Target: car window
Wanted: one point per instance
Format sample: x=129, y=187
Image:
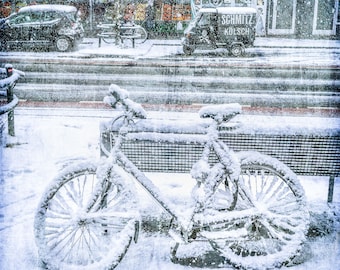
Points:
x=20, y=19
x=35, y=17
x=71, y=15
x=25, y=18
x=49, y=16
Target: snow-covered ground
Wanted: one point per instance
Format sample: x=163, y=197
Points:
x=48, y=139
x=277, y=50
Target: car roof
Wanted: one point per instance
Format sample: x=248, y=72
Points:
x=229, y=10
x=60, y=8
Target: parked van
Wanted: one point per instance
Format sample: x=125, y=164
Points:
x=232, y=28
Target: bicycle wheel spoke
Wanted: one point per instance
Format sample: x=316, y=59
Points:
x=286, y=222
x=276, y=229
x=284, y=206
x=60, y=202
x=82, y=184
x=74, y=191
x=57, y=211
x=58, y=242
x=82, y=218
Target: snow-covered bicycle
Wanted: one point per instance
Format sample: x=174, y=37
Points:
x=248, y=206
x=114, y=33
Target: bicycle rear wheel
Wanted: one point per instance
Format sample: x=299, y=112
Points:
x=142, y=35
x=110, y=37
x=83, y=222
x=273, y=235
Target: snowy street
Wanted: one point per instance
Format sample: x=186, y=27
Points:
x=300, y=73
x=169, y=135
x=48, y=139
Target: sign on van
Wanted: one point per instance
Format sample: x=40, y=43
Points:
x=237, y=19
x=237, y=31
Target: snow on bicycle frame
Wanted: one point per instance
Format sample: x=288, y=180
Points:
x=248, y=206
x=262, y=178
x=168, y=135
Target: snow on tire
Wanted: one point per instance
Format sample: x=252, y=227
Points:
x=83, y=223
x=278, y=231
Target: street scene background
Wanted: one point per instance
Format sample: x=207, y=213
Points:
x=58, y=116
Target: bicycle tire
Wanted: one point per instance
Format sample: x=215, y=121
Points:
x=143, y=35
x=111, y=38
x=277, y=234
x=81, y=226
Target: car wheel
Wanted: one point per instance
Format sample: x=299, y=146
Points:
x=63, y=44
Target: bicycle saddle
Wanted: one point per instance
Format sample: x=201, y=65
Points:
x=220, y=113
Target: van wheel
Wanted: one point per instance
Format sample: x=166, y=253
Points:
x=188, y=50
x=63, y=44
x=237, y=49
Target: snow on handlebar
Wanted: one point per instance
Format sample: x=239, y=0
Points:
x=119, y=95
x=118, y=92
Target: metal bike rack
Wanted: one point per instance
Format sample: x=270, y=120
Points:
x=7, y=85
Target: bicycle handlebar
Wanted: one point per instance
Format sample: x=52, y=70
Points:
x=119, y=95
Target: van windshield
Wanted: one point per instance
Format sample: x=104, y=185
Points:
x=204, y=19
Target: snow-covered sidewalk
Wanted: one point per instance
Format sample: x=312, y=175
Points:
x=48, y=139
x=155, y=47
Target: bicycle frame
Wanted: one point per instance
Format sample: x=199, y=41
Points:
x=228, y=165
x=248, y=206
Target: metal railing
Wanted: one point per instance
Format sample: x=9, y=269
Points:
x=9, y=100
x=306, y=153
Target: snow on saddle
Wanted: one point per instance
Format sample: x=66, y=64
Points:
x=220, y=113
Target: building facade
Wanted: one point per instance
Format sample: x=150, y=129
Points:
x=292, y=18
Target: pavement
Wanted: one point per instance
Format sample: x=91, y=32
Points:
x=154, y=47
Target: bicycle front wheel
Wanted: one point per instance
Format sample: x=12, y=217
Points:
x=83, y=222
x=275, y=233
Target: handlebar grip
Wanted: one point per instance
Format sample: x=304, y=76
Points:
x=119, y=95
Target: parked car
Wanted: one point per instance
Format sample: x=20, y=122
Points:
x=52, y=26
x=232, y=28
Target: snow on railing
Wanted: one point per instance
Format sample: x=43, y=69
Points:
x=9, y=77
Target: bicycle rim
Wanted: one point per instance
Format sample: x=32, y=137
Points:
x=142, y=34
x=276, y=234
x=82, y=225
